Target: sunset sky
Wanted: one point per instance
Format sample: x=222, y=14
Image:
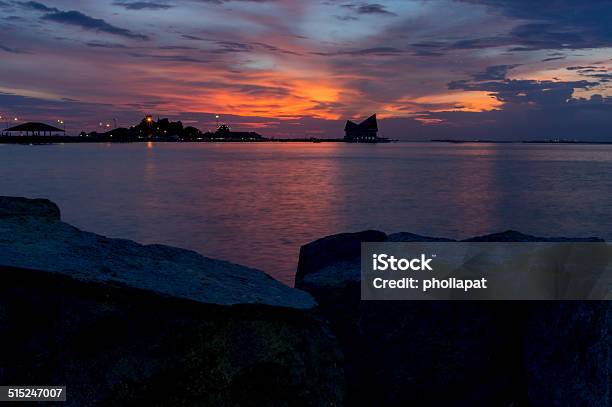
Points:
x=499, y=69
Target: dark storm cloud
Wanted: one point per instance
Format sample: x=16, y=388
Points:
x=380, y=51
x=76, y=18
x=13, y=18
x=555, y=24
x=10, y=50
x=236, y=46
x=527, y=37
x=602, y=77
x=575, y=11
x=368, y=8
x=143, y=5
x=169, y=58
x=476, y=43
x=273, y=48
x=599, y=73
x=233, y=46
x=241, y=88
x=509, y=40
x=263, y=90
x=495, y=72
x=220, y=2
x=525, y=91
x=176, y=47
x=110, y=45
x=530, y=37
x=552, y=59
x=192, y=37
x=577, y=68
x=34, y=5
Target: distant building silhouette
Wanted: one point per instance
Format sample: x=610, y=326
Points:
x=366, y=131
x=150, y=129
x=225, y=133
x=33, y=129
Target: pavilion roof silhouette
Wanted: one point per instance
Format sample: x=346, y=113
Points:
x=369, y=123
x=34, y=127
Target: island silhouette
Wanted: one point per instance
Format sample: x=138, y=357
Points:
x=164, y=130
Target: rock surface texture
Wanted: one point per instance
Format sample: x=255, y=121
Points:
x=121, y=323
x=458, y=353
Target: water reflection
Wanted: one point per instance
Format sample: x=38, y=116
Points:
x=256, y=204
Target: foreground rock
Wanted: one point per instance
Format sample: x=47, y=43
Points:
x=42, y=242
x=121, y=323
x=457, y=353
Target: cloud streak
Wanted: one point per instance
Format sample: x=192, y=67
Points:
x=368, y=8
x=10, y=50
x=143, y=5
x=78, y=19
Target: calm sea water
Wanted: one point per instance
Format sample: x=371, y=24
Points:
x=255, y=204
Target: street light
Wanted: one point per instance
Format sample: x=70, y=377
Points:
x=7, y=121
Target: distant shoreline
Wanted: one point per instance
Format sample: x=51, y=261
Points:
x=518, y=141
x=76, y=139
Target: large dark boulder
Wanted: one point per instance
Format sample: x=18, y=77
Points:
x=329, y=251
x=568, y=354
x=443, y=353
x=514, y=236
x=566, y=345
x=428, y=353
x=40, y=208
x=121, y=323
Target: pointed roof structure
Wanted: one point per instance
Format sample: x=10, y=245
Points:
x=370, y=123
x=34, y=127
x=366, y=131
x=350, y=125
